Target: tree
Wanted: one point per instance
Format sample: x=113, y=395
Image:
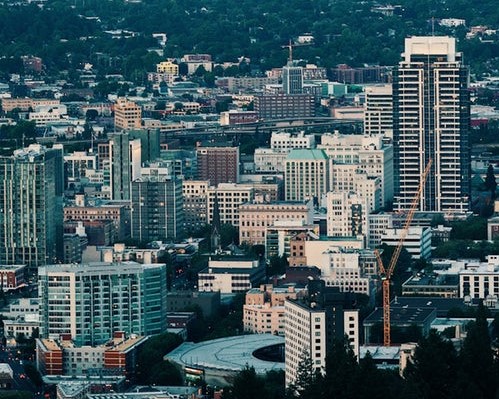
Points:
x=434, y=368
x=91, y=114
x=247, y=385
x=476, y=355
x=490, y=181
x=308, y=380
x=341, y=365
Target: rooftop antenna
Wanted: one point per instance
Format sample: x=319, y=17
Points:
x=290, y=52
x=433, y=26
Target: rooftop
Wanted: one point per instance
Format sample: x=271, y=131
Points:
x=229, y=354
x=299, y=154
x=403, y=315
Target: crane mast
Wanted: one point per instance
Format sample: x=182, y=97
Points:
x=386, y=274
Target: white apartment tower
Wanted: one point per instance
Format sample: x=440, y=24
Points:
x=431, y=121
x=378, y=110
x=306, y=174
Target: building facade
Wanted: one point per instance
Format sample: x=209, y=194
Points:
x=31, y=188
x=218, y=164
x=92, y=301
x=157, y=208
x=431, y=121
x=306, y=175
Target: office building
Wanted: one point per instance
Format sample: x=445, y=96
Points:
x=431, y=121
x=125, y=163
x=280, y=234
x=314, y=323
x=378, y=111
x=417, y=240
x=31, y=188
x=195, y=204
x=292, y=79
x=127, y=115
x=149, y=143
x=157, y=207
x=218, y=164
x=285, y=142
x=228, y=197
x=306, y=175
x=347, y=214
x=369, y=155
x=92, y=301
x=283, y=106
x=256, y=217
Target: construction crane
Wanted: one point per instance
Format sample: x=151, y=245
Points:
x=386, y=274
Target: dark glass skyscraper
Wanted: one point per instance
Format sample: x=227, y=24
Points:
x=31, y=187
x=431, y=121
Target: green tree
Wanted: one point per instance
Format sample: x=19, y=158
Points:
x=476, y=355
x=490, y=181
x=247, y=385
x=341, y=365
x=308, y=382
x=434, y=368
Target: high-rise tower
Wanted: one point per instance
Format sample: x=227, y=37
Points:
x=431, y=120
x=31, y=187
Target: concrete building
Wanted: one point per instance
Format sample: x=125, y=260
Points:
x=91, y=302
x=208, y=302
x=285, y=142
x=231, y=275
x=368, y=154
x=157, y=207
x=167, y=67
x=263, y=310
x=127, y=115
x=195, y=203
x=77, y=163
x=306, y=176
x=228, y=198
x=342, y=268
x=218, y=164
x=283, y=106
x=280, y=234
x=481, y=280
x=256, y=217
x=417, y=241
x=312, y=325
x=31, y=188
x=292, y=79
x=347, y=214
x=85, y=211
x=378, y=110
x=377, y=225
x=432, y=126
x=64, y=357
x=269, y=160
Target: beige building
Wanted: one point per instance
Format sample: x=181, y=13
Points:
x=229, y=197
x=167, y=67
x=254, y=218
x=127, y=115
x=263, y=311
x=378, y=110
x=306, y=174
x=24, y=104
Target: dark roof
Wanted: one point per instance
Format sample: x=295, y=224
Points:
x=403, y=316
x=442, y=305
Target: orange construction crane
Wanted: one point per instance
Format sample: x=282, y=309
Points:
x=386, y=274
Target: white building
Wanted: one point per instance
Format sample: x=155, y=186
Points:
x=285, y=142
x=195, y=193
x=432, y=126
x=378, y=110
x=229, y=197
x=306, y=174
x=417, y=241
x=346, y=214
x=369, y=154
x=377, y=225
x=269, y=160
x=481, y=280
x=310, y=327
x=229, y=276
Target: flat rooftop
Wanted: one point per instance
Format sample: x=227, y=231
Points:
x=227, y=354
x=403, y=315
